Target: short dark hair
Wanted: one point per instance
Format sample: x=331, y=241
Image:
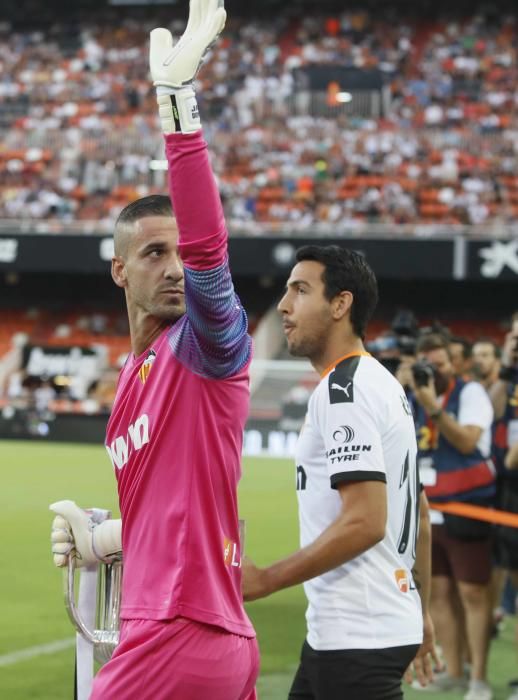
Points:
x=467, y=347
x=432, y=341
x=346, y=270
x=153, y=205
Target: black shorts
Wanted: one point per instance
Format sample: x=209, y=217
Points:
x=351, y=674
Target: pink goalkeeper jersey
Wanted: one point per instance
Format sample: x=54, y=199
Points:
x=175, y=432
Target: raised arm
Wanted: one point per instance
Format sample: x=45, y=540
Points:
x=213, y=341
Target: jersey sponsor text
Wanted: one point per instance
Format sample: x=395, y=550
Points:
x=137, y=436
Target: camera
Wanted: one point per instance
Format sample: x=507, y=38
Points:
x=405, y=327
x=407, y=345
x=422, y=372
x=509, y=374
x=399, y=342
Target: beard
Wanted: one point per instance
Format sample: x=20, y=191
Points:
x=482, y=372
x=168, y=312
x=311, y=345
x=306, y=347
x=165, y=308
x=302, y=348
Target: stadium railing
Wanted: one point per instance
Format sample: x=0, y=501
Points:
x=347, y=229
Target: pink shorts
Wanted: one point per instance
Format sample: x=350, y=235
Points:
x=178, y=659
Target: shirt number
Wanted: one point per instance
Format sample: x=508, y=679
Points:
x=409, y=481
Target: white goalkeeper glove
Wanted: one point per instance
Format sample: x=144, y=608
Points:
x=174, y=66
x=83, y=534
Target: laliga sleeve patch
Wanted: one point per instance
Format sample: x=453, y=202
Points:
x=341, y=381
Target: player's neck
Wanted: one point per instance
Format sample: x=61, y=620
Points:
x=336, y=350
x=144, y=331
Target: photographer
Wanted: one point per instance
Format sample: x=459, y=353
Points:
x=461, y=355
x=395, y=349
x=502, y=391
x=486, y=362
x=453, y=422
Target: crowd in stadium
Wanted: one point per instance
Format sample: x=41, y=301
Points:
x=80, y=138
x=469, y=556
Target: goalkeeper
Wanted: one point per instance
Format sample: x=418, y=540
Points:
x=175, y=432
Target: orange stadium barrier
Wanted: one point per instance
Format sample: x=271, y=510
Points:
x=490, y=515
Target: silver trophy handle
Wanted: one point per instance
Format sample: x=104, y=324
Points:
x=98, y=515
x=105, y=636
x=108, y=583
x=70, y=602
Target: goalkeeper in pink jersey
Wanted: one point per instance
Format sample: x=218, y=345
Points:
x=175, y=432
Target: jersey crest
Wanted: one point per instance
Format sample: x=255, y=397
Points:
x=144, y=371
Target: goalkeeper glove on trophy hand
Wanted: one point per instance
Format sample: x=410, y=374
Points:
x=174, y=66
x=83, y=534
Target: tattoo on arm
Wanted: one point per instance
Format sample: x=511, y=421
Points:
x=415, y=576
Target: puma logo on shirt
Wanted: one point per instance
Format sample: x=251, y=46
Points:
x=345, y=389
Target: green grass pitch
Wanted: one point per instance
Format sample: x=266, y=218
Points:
x=35, y=474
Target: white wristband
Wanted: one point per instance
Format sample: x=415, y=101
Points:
x=178, y=110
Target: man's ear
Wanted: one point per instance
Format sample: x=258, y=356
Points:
x=119, y=275
x=342, y=304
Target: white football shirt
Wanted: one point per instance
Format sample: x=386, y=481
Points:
x=359, y=427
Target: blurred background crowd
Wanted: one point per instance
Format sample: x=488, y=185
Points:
x=429, y=136
x=463, y=395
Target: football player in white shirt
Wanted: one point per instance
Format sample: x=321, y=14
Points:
x=364, y=525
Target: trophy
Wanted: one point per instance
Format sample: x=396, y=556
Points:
x=105, y=635
x=94, y=609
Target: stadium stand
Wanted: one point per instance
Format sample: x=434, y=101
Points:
x=79, y=138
